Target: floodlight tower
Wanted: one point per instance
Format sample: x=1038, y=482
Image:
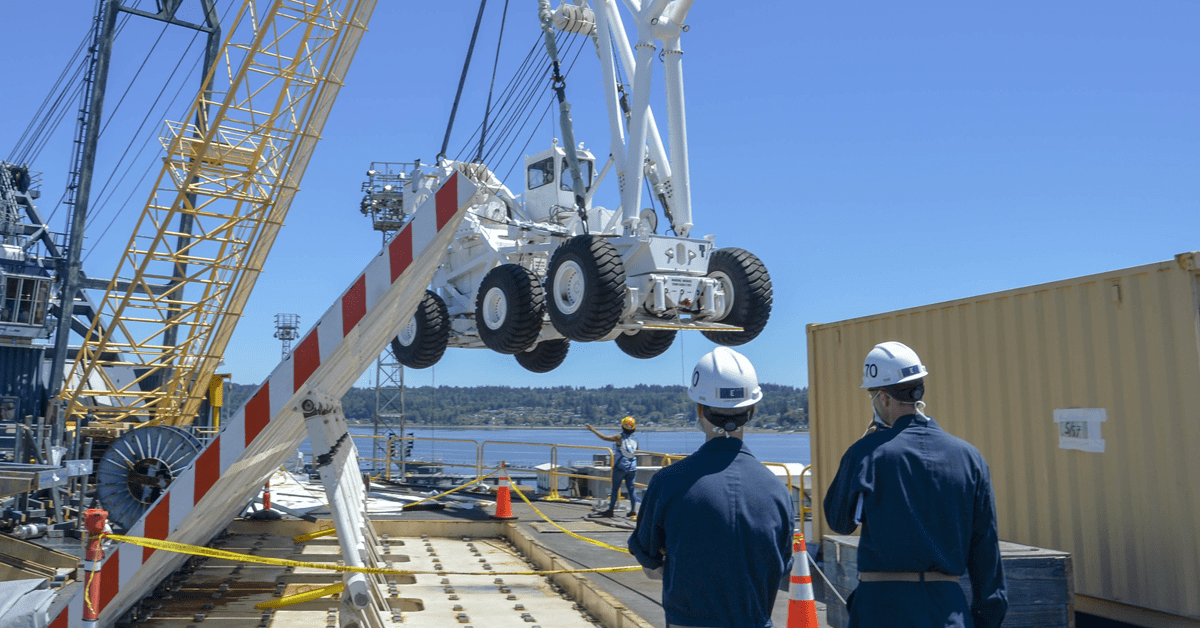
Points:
x=383, y=202
x=287, y=329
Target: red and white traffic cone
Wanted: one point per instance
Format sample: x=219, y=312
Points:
x=802, y=603
x=503, y=499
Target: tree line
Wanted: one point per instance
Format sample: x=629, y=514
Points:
x=782, y=407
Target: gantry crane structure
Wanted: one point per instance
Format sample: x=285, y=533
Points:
x=229, y=179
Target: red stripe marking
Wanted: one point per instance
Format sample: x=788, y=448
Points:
x=446, y=200
x=258, y=412
x=110, y=579
x=158, y=524
x=354, y=305
x=305, y=359
x=400, y=252
x=208, y=469
x=801, y=579
x=62, y=621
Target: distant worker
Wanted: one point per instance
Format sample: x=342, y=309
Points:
x=924, y=500
x=717, y=526
x=624, y=465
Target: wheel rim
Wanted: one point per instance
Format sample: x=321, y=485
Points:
x=726, y=303
x=568, y=287
x=495, y=308
x=408, y=335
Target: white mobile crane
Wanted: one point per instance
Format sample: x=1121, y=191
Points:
x=525, y=275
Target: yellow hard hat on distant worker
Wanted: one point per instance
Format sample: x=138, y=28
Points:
x=628, y=423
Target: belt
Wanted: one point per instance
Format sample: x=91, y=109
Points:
x=905, y=576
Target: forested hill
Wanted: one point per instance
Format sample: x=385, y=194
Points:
x=782, y=407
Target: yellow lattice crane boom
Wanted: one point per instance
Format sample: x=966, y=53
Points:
x=224, y=189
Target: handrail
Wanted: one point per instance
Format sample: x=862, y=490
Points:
x=480, y=467
x=402, y=461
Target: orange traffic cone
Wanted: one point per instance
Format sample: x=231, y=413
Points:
x=503, y=499
x=802, y=604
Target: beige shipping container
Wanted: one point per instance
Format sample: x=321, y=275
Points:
x=1084, y=397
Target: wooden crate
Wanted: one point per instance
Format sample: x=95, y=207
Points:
x=1040, y=584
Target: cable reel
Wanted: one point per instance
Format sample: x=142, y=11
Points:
x=138, y=466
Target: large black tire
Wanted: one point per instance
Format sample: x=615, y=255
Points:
x=748, y=295
x=586, y=286
x=509, y=309
x=422, y=342
x=646, y=343
x=545, y=357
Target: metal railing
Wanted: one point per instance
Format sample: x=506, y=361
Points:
x=396, y=459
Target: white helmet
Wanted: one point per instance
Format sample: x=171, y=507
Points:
x=724, y=378
x=891, y=363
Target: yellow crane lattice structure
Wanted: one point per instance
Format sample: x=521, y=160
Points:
x=224, y=189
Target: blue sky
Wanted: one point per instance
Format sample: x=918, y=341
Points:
x=875, y=155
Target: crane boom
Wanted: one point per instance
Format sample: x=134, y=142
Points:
x=234, y=174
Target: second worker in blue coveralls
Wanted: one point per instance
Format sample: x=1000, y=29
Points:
x=716, y=527
x=924, y=500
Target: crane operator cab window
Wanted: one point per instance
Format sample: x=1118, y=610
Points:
x=541, y=173
x=23, y=299
x=568, y=182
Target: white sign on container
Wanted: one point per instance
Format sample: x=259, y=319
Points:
x=1079, y=428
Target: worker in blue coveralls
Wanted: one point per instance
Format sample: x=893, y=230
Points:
x=624, y=465
x=924, y=500
x=716, y=527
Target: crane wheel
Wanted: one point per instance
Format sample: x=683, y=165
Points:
x=546, y=356
x=422, y=342
x=509, y=309
x=748, y=297
x=586, y=282
x=646, y=343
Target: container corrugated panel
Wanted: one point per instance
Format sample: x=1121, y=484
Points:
x=21, y=377
x=1001, y=364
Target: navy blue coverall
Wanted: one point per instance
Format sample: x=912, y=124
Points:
x=725, y=522
x=927, y=505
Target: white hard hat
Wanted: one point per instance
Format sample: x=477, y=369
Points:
x=724, y=378
x=891, y=363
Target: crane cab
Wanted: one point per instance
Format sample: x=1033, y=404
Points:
x=549, y=188
x=24, y=303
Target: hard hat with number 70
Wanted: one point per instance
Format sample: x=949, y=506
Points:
x=724, y=378
x=891, y=363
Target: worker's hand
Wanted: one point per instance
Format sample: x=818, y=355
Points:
x=653, y=574
x=589, y=426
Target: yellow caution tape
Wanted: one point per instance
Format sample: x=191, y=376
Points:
x=298, y=598
x=314, y=535
x=455, y=489
x=328, y=531
x=568, y=532
x=208, y=552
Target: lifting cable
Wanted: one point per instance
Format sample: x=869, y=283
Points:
x=45, y=121
x=488, y=109
x=549, y=106
x=517, y=83
x=462, y=79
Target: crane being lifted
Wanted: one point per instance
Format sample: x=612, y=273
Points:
x=528, y=274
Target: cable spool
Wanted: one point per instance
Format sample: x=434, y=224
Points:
x=138, y=466
x=575, y=19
